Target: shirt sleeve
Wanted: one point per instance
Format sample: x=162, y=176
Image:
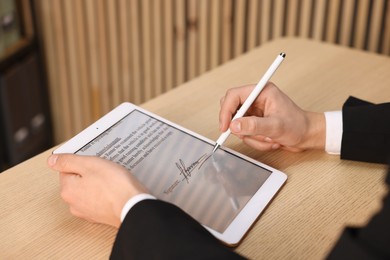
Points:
x=334, y=131
x=134, y=200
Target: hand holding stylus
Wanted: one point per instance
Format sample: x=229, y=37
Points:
x=251, y=98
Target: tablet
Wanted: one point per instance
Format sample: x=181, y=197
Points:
x=225, y=191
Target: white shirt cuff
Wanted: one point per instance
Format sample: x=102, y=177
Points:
x=134, y=200
x=334, y=131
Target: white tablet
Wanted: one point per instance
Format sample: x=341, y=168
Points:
x=225, y=191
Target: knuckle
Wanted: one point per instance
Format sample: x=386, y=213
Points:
x=65, y=196
x=279, y=127
x=221, y=100
x=229, y=91
x=74, y=212
x=251, y=125
x=62, y=162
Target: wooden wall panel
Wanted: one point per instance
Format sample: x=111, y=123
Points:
x=215, y=35
x=291, y=25
x=278, y=17
x=265, y=21
x=332, y=20
x=305, y=15
x=239, y=27
x=319, y=19
x=125, y=49
x=204, y=20
x=67, y=119
x=386, y=31
x=100, y=53
x=253, y=24
x=226, y=29
x=135, y=40
x=375, y=29
x=361, y=23
x=346, y=21
x=192, y=49
x=92, y=47
x=71, y=64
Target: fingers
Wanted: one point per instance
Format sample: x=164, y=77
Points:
x=261, y=145
x=95, y=189
x=67, y=183
x=252, y=126
x=230, y=103
x=257, y=132
x=69, y=163
x=235, y=97
x=273, y=121
x=76, y=164
x=75, y=212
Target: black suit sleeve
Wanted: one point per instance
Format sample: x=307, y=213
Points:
x=366, y=137
x=366, y=131
x=155, y=229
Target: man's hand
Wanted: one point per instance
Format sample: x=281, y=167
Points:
x=273, y=121
x=95, y=189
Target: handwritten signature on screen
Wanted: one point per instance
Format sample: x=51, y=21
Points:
x=187, y=171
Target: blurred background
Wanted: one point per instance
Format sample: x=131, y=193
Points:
x=65, y=63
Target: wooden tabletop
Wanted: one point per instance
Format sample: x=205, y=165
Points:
x=322, y=194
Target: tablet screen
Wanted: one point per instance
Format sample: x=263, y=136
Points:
x=179, y=168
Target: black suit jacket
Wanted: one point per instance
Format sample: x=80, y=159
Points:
x=366, y=137
x=366, y=131
x=157, y=230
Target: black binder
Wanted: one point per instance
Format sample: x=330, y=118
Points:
x=25, y=127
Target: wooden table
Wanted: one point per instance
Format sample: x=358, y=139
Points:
x=321, y=196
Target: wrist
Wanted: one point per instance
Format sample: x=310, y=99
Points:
x=316, y=131
x=132, y=201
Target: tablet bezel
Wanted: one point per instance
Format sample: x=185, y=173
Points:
x=244, y=219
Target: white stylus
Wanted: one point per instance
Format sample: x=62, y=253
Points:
x=253, y=95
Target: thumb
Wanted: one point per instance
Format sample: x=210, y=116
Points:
x=253, y=125
x=69, y=163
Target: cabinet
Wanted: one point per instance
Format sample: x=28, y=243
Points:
x=25, y=125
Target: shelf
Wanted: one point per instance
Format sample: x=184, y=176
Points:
x=23, y=94
x=15, y=49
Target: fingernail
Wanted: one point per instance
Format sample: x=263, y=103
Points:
x=268, y=140
x=275, y=146
x=236, y=126
x=52, y=160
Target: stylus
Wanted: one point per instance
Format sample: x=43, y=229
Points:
x=252, y=96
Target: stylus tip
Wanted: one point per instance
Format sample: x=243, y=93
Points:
x=216, y=147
